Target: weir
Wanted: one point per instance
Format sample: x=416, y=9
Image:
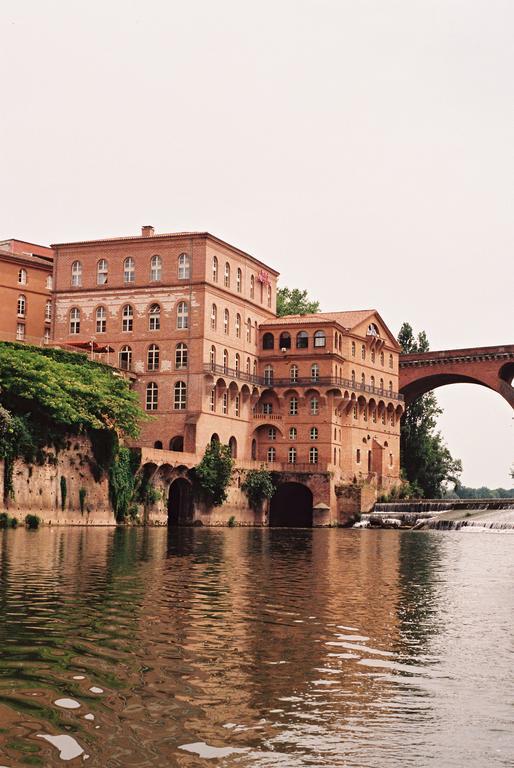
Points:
x=443, y=514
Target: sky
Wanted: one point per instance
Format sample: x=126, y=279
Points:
x=364, y=148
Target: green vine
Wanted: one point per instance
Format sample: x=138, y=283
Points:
x=123, y=482
x=214, y=472
x=258, y=486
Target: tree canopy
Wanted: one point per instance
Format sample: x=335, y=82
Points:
x=293, y=301
x=426, y=461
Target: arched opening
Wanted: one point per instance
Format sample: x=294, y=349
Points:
x=158, y=444
x=291, y=506
x=232, y=444
x=215, y=438
x=177, y=443
x=254, y=449
x=180, y=503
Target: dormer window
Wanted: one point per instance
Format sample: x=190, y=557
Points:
x=372, y=330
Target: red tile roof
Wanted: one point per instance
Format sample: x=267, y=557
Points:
x=345, y=319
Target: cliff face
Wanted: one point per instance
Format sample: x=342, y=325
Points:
x=38, y=489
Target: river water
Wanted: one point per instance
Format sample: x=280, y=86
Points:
x=255, y=647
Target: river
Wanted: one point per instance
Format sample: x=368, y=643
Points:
x=256, y=647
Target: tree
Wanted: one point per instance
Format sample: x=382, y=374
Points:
x=293, y=301
x=425, y=459
x=214, y=472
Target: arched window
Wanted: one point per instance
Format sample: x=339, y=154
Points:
x=269, y=296
x=184, y=267
x=363, y=351
x=238, y=326
x=363, y=379
x=314, y=433
x=238, y=363
x=152, y=396
x=254, y=449
x=76, y=274
x=224, y=403
x=181, y=356
x=226, y=322
x=129, y=270
x=212, y=400
x=215, y=438
x=293, y=432
x=293, y=374
x=373, y=355
x=182, y=315
x=226, y=275
x=353, y=349
x=302, y=340
x=271, y=455
x=101, y=272
x=390, y=361
x=22, y=277
x=212, y=357
x=248, y=365
x=314, y=406
x=154, y=318
x=177, y=443
x=75, y=320
x=225, y=361
x=358, y=456
x=180, y=396
x=152, y=357
x=232, y=444
x=291, y=456
x=382, y=358
x=125, y=358
x=372, y=330
x=214, y=269
x=320, y=339
x=127, y=318
x=248, y=330
x=268, y=375
x=285, y=340
x=313, y=455
x=355, y=412
x=155, y=268
x=272, y=433
x=268, y=341
x=315, y=372
x=214, y=317
x=374, y=415
x=48, y=311
x=390, y=387
x=239, y=280
x=252, y=287
x=255, y=367
x=372, y=382
x=158, y=445
x=390, y=459
x=293, y=406
x=22, y=306
x=101, y=319
x=381, y=384
x=353, y=378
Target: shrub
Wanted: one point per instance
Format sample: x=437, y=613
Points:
x=214, y=472
x=4, y=519
x=32, y=521
x=122, y=481
x=258, y=485
x=232, y=523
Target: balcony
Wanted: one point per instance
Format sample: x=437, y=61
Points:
x=232, y=373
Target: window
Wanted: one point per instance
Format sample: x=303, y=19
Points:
x=184, y=267
x=238, y=326
x=353, y=349
x=390, y=387
x=129, y=270
x=315, y=372
x=152, y=396
x=214, y=317
x=75, y=320
x=267, y=408
x=374, y=415
x=372, y=382
x=155, y=268
x=314, y=433
x=291, y=456
x=293, y=433
x=381, y=358
x=248, y=365
x=101, y=319
x=101, y=272
x=154, y=318
x=355, y=412
x=212, y=400
x=212, y=357
x=293, y=406
x=76, y=274
x=125, y=358
x=372, y=330
x=268, y=375
x=152, y=357
x=353, y=378
x=22, y=277
x=22, y=306
x=285, y=340
x=239, y=280
x=158, y=445
x=272, y=433
x=181, y=356
x=214, y=269
x=255, y=367
x=49, y=282
x=46, y=336
x=320, y=339
x=224, y=403
x=232, y=444
x=48, y=311
x=237, y=405
x=180, y=396
x=248, y=330
x=313, y=455
x=373, y=355
x=363, y=379
x=269, y=296
x=226, y=319
x=182, y=315
x=293, y=374
x=20, y=331
x=358, y=456
x=392, y=418
x=268, y=341
x=302, y=340
x=226, y=275
x=238, y=363
x=390, y=459
x=127, y=322
x=381, y=384
x=225, y=361
x=271, y=455
x=314, y=406
x=390, y=361
x=252, y=287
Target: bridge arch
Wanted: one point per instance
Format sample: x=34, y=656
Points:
x=291, y=506
x=180, y=502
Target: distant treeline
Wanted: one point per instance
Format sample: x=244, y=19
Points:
x=463, y=492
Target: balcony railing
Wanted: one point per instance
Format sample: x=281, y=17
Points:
x=233, y=373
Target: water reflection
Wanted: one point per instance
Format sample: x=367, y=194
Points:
x=148, y=647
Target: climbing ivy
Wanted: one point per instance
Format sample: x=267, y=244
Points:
x=214, y=472
x=123, y=481
x=258, y=485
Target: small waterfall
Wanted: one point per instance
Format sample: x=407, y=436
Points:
x=442, y=514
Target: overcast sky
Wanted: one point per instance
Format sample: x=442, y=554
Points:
x=362, y=147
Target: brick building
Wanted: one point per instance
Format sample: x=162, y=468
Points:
x=26, y=285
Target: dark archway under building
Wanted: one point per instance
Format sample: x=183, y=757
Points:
x=180, y=503
x=291, y=506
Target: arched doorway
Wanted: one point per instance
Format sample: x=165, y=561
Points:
x=177, y=443
x=291, y=506
x=232, y=444
x=180, y=503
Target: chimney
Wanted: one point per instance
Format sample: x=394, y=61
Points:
x=147, y=231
